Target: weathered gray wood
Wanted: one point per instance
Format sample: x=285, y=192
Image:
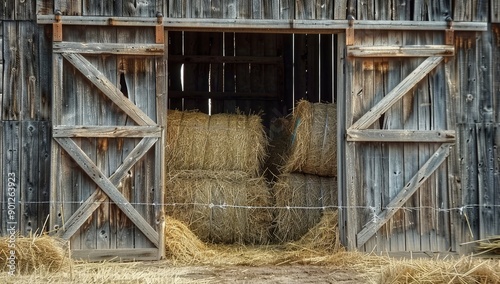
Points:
x=486, y=179
x=12, y=171
x=143, y=254
x=495, y=11
x=401, y=51
x=72, y=8
x=108, y=48
x=339, y=10
x=80, y=216
x=263, y=25
x=106, y=131
x=404, y=194
x=429, y=136
x=107, y=186
x=28, y=178
x=399, y=91
x=108, y=89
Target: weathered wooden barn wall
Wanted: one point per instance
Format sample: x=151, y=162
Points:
x=25, y=118
x=458, y=203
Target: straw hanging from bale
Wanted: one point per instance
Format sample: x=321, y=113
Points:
x=218, y=206
x=221, y=142
x=314, y=140
x=310, y=195
x=33, y=253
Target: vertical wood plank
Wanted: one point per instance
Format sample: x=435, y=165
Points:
x=11, y=101
x=229, y=9
x=287, y=9
x=44, y=7
x=495, y=11
x=486, y=179
x=12, y=168
x=69, y=7
x=174, y=69
x=244, y=9
x=102, y=8
x=44, y=72
x=469, y=212
x=44, y=145
x=28, y=178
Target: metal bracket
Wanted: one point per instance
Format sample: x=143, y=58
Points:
x=349, y=32
x=449, y=32
x=159, y=29
x=57, y=27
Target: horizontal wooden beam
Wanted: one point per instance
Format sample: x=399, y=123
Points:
x=106, y=131
x=401, y=51
x=397, y=93
x=404, y=194
x=386, y=135
x=221, y=95
x=262, y=25
x=115, y=254
x=109, y=48
x=225, y=59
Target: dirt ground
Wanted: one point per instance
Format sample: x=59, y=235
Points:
x=165, y=272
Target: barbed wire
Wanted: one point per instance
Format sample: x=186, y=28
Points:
x=372, y=209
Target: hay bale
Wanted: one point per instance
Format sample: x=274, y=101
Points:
x=33, y=254
x=310, y=194
x=217, y=206
x=489, y=245
x=314, y=140
x=221, y=142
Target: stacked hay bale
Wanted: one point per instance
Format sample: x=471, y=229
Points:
x=307, y=184
x=213, y=167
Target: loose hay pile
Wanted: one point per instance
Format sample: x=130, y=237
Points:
x=220, y=142
x=489, y=245
x=314, y=140
x=463, y=270
x=33, y=253
x=217, y=206
x=300, y=202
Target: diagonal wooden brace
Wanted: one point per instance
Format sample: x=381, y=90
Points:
x=89, y=167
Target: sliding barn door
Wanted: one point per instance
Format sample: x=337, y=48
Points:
x=399, y=134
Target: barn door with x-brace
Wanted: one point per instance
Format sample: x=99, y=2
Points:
x=107, y=156
x=397, y=138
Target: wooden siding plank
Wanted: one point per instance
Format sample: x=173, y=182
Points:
x=44, y=146
x=28, y=178
x=401, y=51
x=11, y=169
x=11, y=97
x=107, y=186
x=486, y=179
x=395, y=94
x=80, y=216
x=407, y=135
x=108, y=48
x=44, y=72
x=229, y=9
x=106, y=131
x=72, y=8
x=495, y=11
x=404, y=194
x=108, y=89
x=468, y=228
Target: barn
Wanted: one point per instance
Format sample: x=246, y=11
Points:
x=86, y=86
